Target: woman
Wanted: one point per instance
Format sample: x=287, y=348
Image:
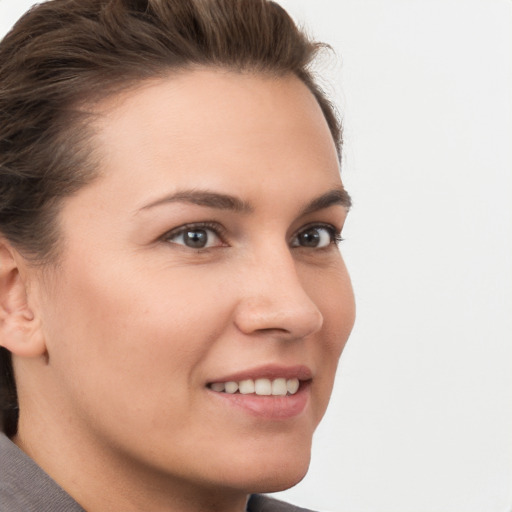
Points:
x=173, y=300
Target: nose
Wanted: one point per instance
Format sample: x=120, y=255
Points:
x=273, y=300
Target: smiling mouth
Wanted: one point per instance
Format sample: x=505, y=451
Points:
x=260, y=387
x=268, y=392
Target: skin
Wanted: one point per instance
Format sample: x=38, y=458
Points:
x=114, y=347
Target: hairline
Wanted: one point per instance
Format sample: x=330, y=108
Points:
x=84, y=114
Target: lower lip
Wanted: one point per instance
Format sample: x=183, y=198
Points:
x=269, y=407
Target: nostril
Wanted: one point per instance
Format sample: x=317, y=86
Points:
x=286, y=324
x=270, y=330
x=277, y=305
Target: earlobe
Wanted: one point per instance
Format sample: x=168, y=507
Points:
x=20, y=328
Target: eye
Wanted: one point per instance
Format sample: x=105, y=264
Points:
x=198, y=236
x=316, y=237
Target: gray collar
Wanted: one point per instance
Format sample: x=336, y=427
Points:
x=25, y=486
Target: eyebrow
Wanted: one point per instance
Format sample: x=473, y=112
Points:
x=337, y=196
x=334, y=197
x=204, y=198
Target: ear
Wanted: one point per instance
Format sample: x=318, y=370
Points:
x=20, y=328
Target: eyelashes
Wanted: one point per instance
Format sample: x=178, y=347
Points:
x=317, y=236
x=202, y=235
x=208, y=235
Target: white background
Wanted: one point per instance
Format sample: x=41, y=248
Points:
x=421, y=416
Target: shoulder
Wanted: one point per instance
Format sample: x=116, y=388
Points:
x=25, y=486
x=260, y=503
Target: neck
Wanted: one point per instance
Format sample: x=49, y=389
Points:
x=101, y=480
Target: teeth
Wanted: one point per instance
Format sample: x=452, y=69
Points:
x=279, y=387
x=218, y=386
x=231, y=387
x=292, y=385
x=246, y=387
x=262, y=387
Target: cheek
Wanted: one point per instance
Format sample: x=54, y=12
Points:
x=118, y=334
x=334, y=296
x=332, y=293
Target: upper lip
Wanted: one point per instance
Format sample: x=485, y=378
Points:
x=269, y=371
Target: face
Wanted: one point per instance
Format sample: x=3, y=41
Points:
x=199, y=273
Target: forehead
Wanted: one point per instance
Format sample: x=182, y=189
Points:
x=216, y=126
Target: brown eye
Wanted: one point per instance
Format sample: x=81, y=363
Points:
x=195, y=238
x=315, y=237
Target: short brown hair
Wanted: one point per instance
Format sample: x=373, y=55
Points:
x=65, y=53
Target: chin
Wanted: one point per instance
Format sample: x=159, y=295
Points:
x=280, y=481
x=272, y=470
